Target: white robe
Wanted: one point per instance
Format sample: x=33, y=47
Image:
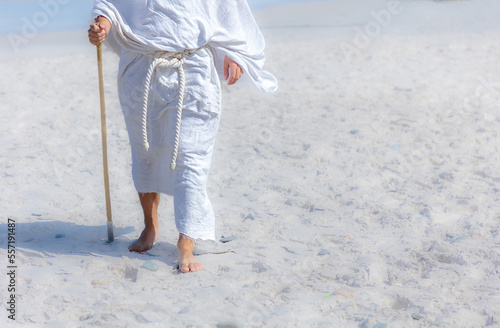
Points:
x=219, y=28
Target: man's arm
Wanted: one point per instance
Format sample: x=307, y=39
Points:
x=97, y=34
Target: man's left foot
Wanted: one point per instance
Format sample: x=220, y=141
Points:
x=185, y=257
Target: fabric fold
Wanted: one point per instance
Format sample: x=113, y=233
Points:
x=227, y=27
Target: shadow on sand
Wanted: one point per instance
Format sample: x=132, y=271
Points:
x=51, y=238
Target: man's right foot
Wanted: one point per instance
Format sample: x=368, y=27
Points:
x=145, y=242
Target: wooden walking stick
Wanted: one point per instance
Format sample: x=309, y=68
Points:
x=104, y=142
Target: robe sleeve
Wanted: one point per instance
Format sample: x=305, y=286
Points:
x=101, y=9
x=237, y=36
x=121, y=36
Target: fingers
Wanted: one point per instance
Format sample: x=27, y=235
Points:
x=236, y=73
x=97, y=34
x=95, y=28
x=232, y=71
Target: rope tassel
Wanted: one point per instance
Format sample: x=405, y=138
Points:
x=182, y=90
x=173, y=60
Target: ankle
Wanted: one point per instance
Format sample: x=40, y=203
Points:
x=151, y=226
x=185, y=241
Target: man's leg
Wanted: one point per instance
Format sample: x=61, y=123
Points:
x=149, y=235
x=194, y=215
x=185, y=257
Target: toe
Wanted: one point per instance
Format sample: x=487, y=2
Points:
x=196, y=267
x=135, y=248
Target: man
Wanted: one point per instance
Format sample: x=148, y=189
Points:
x=171, y=54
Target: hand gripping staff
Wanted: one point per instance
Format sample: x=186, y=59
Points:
x=104, y=141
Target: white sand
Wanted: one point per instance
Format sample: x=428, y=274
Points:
x=386, y=162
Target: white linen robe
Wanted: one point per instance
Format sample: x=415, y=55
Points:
x=218, y=28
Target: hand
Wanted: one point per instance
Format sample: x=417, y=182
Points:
x=98, y=33
x=232, y=71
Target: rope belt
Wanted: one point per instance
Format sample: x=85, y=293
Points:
x=164, y=59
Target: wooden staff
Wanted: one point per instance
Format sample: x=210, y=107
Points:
x=104, y=141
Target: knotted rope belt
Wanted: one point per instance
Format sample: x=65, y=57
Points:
x=164, y=59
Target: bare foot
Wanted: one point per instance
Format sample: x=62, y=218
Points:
x=149, y=203
x=145, y=242
x=185, y=257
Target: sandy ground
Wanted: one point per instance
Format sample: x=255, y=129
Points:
x=364, y=193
